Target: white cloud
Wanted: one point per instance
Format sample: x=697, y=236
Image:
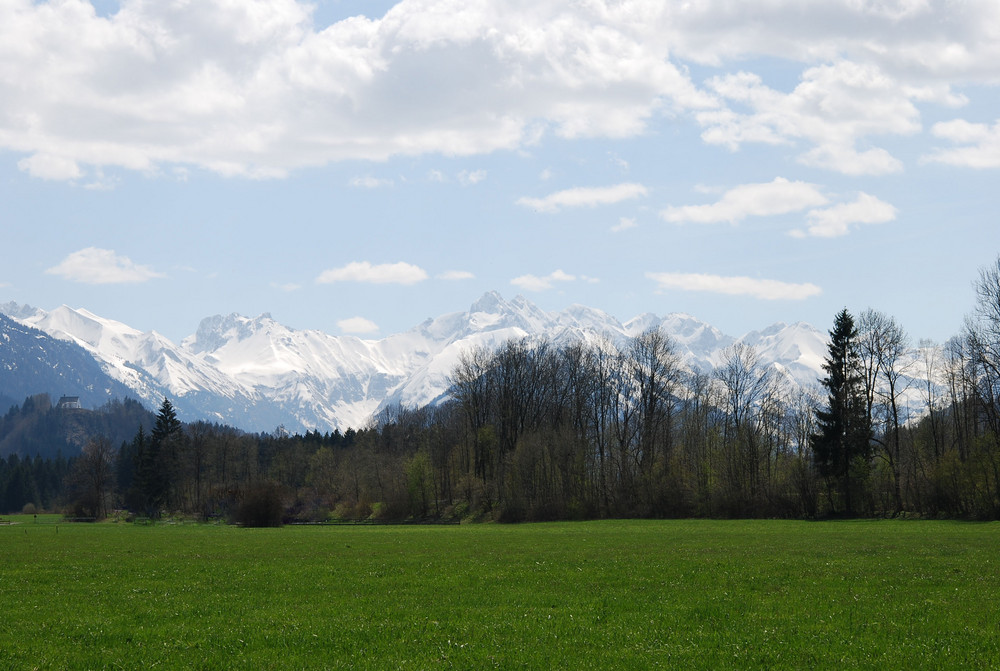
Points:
x=47, y=166
x=363, y=271
x=849, y=161
x=253, y=89
x=102, y=266
x=101, y=182
x=618, y=162
x=455, y=275
x=468, y=178
x=256, y=89
x=357, y=325
x=779, y=196
x=464, y=177
x=288, y=287
x=834, y=108
x=536, y=283
x=369, y=182
x=979, y=144
x=734, y=286
x=584, y=197
x=837, y=220
x=922, y=40
x=624, y=223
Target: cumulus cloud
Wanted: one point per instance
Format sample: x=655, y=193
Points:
x=834, y=108
x=924, y=40
x=254, y=88
x=734, y=286
x=357, y=325
x=779, y=196
x=978, y=144
x=363, y=271
x=102, y=266
x=47, y=166
x=536, y=283
x=838, y=219
x=584, y=197
x=455, y=275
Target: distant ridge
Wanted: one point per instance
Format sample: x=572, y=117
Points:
x=33, y=362
x=256, y=373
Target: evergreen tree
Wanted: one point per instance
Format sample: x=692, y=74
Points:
x=127, y=467
x=843, y=439
x=19, y=487
x=154, y=460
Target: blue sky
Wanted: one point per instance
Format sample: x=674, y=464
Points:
x=357, y=167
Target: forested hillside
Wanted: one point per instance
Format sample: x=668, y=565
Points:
x=32, y=362
x=39, y=427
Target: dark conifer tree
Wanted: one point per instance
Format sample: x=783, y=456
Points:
x=155, y=460
x=127, y=471
x=843, y=438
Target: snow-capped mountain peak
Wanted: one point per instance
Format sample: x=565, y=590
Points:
x=490, y=303
x=799, y=347
x=16, y=311
x=256, y=373
x=214, y=332
x=85, y=328
x=148, y=363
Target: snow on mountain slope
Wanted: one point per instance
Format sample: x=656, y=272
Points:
x=698, y=344
x=430, y=380
x=492, y=321
x=800, y=349
x=150, y=365
x=256, y=373
x=104, y=339
x=321, y=380
x=16, y=311
x=341, y=381
x=33, y=362
x=146, y=362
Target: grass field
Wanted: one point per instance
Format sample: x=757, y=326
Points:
x=613, y=594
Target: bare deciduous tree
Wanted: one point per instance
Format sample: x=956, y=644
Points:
x=750, y=396
x=884, y=348
x=92, y=478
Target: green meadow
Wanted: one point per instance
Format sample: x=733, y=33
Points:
x=609, y=594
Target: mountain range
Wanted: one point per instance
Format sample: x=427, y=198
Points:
x=257, y=374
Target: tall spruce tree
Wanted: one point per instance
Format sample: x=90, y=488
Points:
x=843, y=440
x=129, y=466
x=154, y=469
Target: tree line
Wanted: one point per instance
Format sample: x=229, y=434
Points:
x=536, y=431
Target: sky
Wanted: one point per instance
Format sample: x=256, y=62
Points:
x=359, y=166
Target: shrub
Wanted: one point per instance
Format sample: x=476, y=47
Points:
x=261, y=505
x=351, y=510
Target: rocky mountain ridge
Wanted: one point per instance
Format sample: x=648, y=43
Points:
x=256, y=373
